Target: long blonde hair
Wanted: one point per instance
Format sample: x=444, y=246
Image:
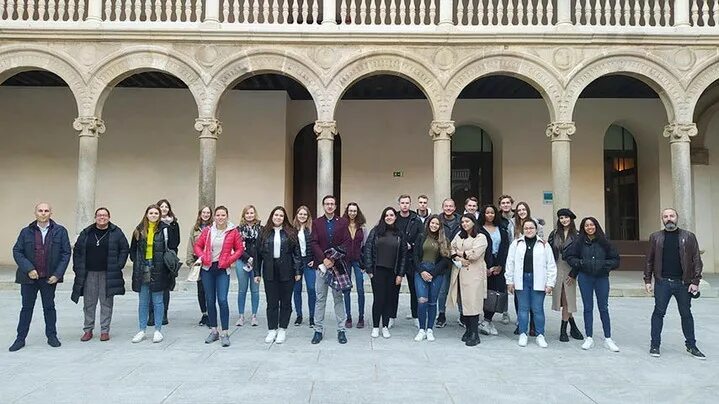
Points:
x=308, y=224
x=244, y=222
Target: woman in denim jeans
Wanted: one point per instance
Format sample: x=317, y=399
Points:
x=358, y=236
x=303, y=224
x=249, y=229
x=530, y=274
x=432, y=253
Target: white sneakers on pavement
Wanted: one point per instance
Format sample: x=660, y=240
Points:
x=138, y=337
x=271, y=335
x=385, y=332
x=610, y=345
x=375, y=332
x=541, y=342
x=281, y=336
x=421, y=334
x=588, y=343
x=430, y=335
x=157, y=337
x=522, y=340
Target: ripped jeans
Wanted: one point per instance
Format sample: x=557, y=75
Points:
x=427, y=294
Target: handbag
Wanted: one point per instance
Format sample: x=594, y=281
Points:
x=496, y=302
x=172, y=261
x=194, y=274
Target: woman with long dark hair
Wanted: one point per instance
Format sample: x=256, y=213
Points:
x=303, y=226
x=249, y=229
x=150, y=276
x=432, y=257
x=384, y=256
x=358, y=236
x=490, y=224
x=173, y=243
x=592, y=257
x=204, y=219
x=278, y=262
x=564, y=298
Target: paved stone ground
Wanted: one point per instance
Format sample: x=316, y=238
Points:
x=183, y=369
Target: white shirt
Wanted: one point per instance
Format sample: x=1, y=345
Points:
x=303, y=242
x=278, y=244
x=43, y=231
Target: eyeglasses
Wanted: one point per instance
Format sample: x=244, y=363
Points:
x=43, y=210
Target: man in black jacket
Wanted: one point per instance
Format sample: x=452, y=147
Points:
x=450, y=220
x=409, y=224
x=42, y=253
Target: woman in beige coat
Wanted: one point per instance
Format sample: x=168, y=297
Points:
x=468, y=282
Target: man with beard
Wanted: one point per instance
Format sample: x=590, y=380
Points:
x=674, y=262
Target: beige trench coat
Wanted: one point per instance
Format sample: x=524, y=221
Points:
x=471, y=279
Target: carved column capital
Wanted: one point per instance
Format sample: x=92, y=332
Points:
x=209, y=128
x=680, y=132
x=560, y=131
x=441, y=130
x=89, y=126
x=325, y=130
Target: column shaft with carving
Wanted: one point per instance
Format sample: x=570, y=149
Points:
x=679, y=135
x=441, y=133
x=89, y=130
x=325, y=131
x=559, y=133
x=210, y=129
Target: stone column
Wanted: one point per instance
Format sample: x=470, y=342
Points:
x=325, y=131
x=441, y=133
x=445, y=13
x=679, y=135
x=559, y=133
x=90, y=128
x=329, y=12
x=681, y=13
x=210, y=129
x=564, y=12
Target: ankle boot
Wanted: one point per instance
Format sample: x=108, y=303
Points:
x=563, y=332
x=473, y=326
x=574, y=330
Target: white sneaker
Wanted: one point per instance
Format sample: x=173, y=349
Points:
x=385, y=333
x=541, y=341
x=416, y=323
x=421, y=334
x=375, y=333
x=505, y=318
x=138, y=337
x=484, y=328
x=430, y=335
x=522, y=340
x=240, y=321
x=588, y=343
x=157, y=337
x=492, y=329
x=610, y=345
x=271, y=335
x=281, y=336
x=391, y=323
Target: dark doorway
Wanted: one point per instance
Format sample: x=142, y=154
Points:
x=621, y=191
x=472, y=165
x=304, y=177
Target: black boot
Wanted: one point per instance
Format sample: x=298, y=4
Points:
x=467, y=330
x=574, y=330
x=473, y=327
x=563, y=332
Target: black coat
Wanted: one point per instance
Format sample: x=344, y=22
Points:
x=591, y=257
x=117, y=253
x=370, y=254
x=289, y=261
x=412, y=232
x=441, y=264
x=501, y=258
x=24, y=252
x=160, y=275
x=557, y=249
x=173, y=235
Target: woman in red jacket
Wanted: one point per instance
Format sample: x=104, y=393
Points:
x=218, y=247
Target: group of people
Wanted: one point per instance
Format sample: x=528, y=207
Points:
x=471, y=261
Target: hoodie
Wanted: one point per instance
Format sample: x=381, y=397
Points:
x=231, y=244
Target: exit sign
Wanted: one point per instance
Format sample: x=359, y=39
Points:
x=398, y=174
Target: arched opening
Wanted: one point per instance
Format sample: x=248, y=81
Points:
x=304, y=173
x=38, y=157
x=472, y=164
x=621, y=189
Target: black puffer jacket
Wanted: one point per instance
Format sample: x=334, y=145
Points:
x=117, y=253
x=370, y=253
x=592, y=257
x=160, y=275
x=441, y=264
x=289, y=261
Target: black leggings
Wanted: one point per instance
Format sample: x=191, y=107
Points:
x=383, y=289
x=201, y=297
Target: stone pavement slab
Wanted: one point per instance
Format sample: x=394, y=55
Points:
x=182, y=369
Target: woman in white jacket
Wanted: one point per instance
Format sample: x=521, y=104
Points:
x=530, y=273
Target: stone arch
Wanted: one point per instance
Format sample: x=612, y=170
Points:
x=704, y=77
x=257, y=62
x=127, y=62
x=639, y=66
x=525, y=67
x=16, y=59
x=366, y=65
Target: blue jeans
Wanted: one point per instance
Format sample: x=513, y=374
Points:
x=598, y=285
x=359, y=283
x=310, y=276
x=217, y=285
x=427, y=295
x=444, y=291
x=530, y=299
x=158, y=307
x=246, y=279
x=663, y=292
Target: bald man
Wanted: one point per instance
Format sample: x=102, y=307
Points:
x=42, y=253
